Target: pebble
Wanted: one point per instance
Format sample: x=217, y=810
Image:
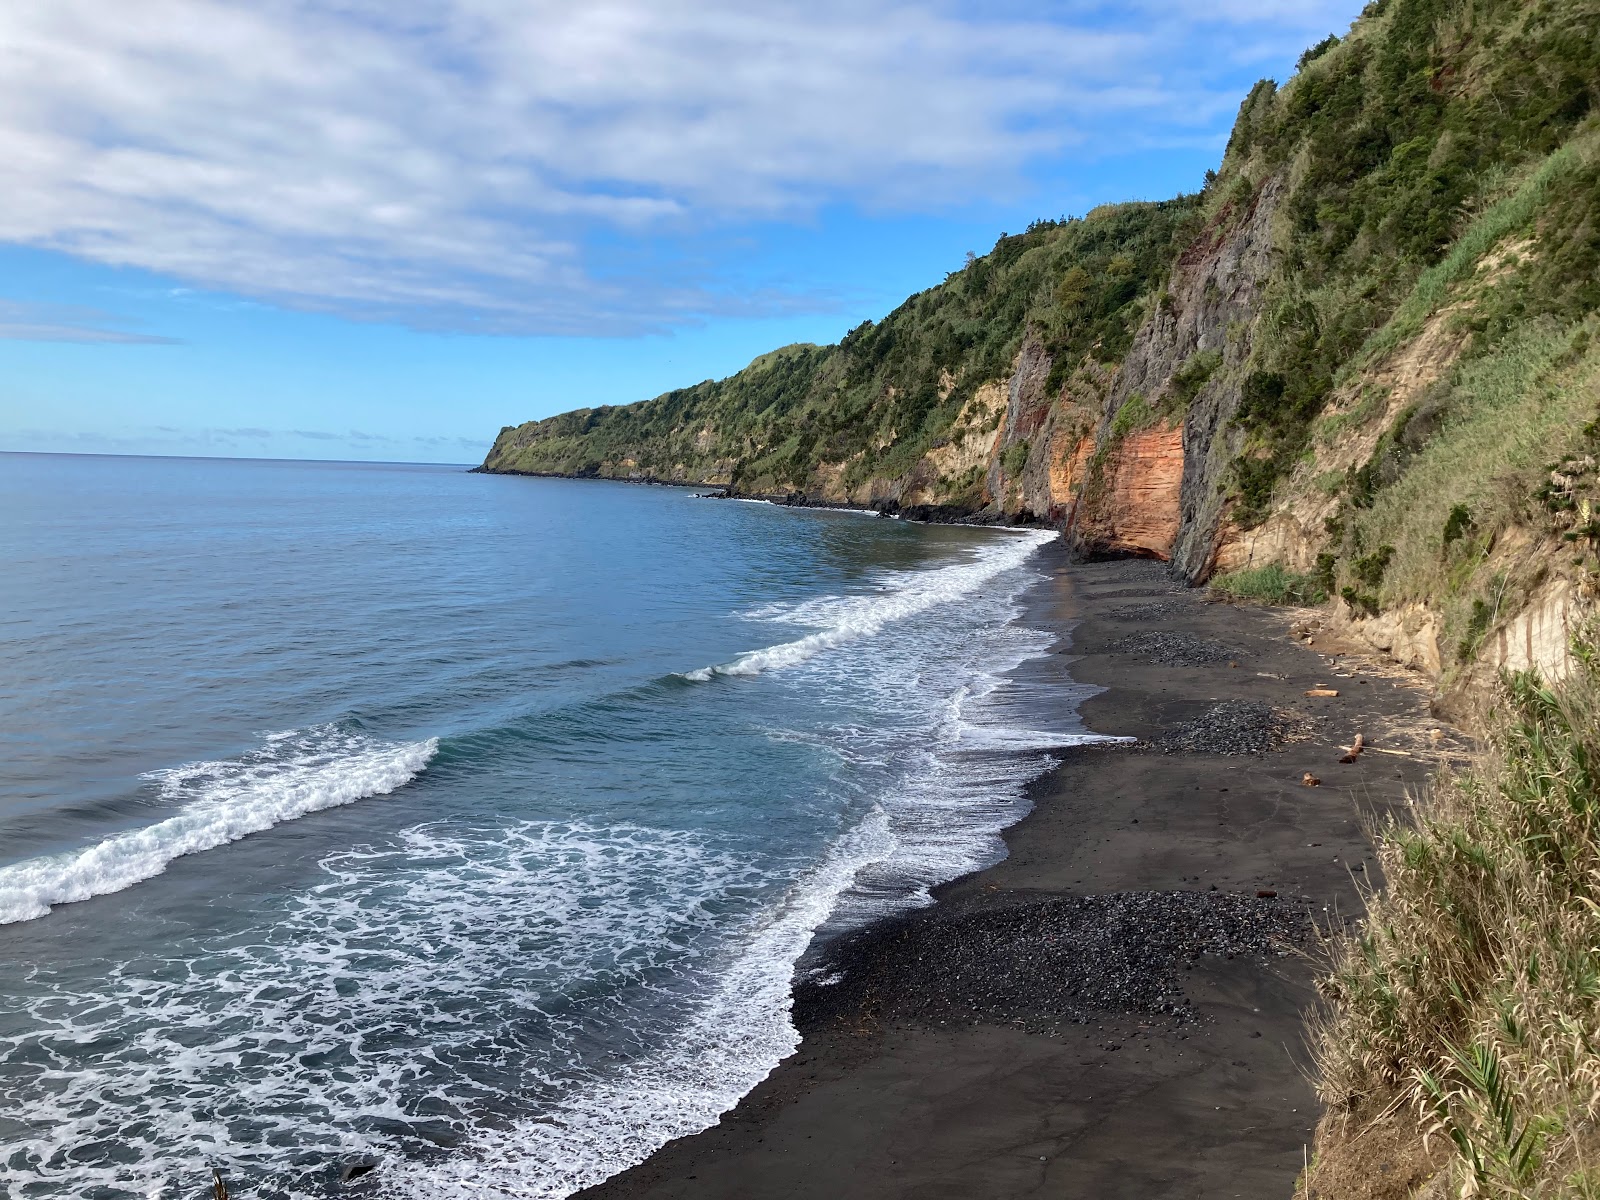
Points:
x=1232, y=727
x=1154, y=610
x=1173, y=648
x=1045, y=962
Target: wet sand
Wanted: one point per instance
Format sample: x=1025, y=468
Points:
x=1115, y=1010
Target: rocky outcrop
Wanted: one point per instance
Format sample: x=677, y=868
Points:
x=1409, y=634
x=1214, y=300
x=1130, y=506
x=1539, y=638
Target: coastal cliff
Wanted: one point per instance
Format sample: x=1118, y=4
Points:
x=1360, y=371
x=1362, y=356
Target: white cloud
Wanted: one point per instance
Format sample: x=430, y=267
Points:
x=467, y=163
x=25, y=321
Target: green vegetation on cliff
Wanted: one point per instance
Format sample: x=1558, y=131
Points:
x=1405, y=147
x=873, y=405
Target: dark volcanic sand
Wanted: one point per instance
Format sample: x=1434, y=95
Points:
x=1111, y=1011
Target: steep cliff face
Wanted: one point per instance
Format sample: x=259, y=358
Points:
x=1365, y=355
x=1216, y=290
x=1130, y=504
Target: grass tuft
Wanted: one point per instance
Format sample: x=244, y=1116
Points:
x=1466, y=1007
x=1271, y=584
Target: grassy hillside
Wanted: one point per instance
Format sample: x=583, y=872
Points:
x=1433, y=132
x=1458, y=1054
x=889, y=392
x=1425, y=355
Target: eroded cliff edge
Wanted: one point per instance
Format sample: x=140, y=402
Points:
x=1362, y=358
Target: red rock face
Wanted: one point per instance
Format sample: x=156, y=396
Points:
x=1068, y=469
x=1134, y=508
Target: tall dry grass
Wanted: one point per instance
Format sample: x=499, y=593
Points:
x=1466, y=1009
x=1512, y=413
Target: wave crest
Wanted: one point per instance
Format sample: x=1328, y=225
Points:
x=296, y=773
x=848, y=619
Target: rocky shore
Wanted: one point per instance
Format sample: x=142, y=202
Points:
x=930, y=514
x=1117, y=1009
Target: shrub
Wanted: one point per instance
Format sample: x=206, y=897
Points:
x=1013, y=458
x=1477, y=626
x=1134, y=414
x=1190, y=378
x=1361, y=602
x=1369, y=568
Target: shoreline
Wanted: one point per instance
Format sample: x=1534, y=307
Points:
x=927, y=514
x=1114, y=1009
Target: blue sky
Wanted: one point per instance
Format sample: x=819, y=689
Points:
x=355, y=229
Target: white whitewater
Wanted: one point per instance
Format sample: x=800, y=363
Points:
x=295, y=774
x=732, y=1042
x=848, y=620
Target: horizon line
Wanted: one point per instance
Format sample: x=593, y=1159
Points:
x=369, y=462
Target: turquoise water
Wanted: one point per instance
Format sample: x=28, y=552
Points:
x=463, y=825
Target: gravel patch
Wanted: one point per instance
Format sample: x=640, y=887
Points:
x=1135, y=593
x=1172, y=648
x=1233, y=727
x=1049, y=962
x=1154, y=610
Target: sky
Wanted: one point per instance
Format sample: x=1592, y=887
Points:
x=355, y=229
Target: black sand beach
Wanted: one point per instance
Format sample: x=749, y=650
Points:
x=1115, y=1010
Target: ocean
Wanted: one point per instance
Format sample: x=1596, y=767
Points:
x=468, y=828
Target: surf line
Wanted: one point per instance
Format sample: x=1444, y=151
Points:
x=241, y=799
x=914, y=593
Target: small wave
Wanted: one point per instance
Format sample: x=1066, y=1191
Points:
x=727, y=1046
x=298, y=772
x=848, y=619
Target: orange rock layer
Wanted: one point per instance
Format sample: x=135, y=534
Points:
x=1134, y=506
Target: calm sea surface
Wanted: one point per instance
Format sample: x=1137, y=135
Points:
x=467, y=826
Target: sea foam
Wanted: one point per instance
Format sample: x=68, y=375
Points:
x=727, y=1045
x=295, y=773
x=848, y=619
x=420, y=983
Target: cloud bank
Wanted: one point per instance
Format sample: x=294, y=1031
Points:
x=504, y=165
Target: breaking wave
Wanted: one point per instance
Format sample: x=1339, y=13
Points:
x=294, y=774
x=848, y=619
x=727, y=1045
